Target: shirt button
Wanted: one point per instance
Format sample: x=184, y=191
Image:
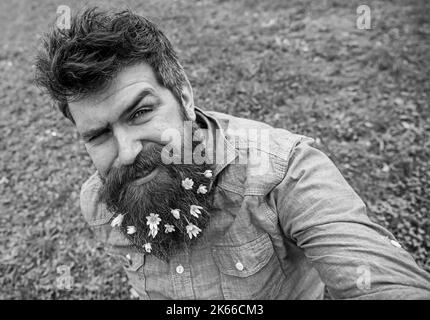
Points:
x=179, y=269
x=239, y=266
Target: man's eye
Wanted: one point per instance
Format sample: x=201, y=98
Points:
x=141, y=112
x=94, y=138
x=98, y=137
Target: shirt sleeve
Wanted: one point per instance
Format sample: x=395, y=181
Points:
x=323, y=215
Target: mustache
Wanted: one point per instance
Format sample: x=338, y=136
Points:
x=145, y=162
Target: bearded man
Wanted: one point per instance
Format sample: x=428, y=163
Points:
x=204, y=205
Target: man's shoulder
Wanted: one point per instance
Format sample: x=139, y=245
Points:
x=263, y=152
x=248, y=130
x=256, y=135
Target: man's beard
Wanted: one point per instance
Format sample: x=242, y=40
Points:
x=165, y=192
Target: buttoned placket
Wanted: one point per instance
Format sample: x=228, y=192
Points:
x=219, y=144
x=181, y=276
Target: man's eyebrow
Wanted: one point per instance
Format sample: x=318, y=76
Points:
x=142, y=94
x=97, y=131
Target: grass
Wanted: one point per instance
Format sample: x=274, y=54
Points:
x=301, y=65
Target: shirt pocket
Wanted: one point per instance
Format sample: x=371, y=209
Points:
x=133, y=265
x=250, y=270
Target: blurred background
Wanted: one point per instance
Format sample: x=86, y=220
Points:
x=299, y=65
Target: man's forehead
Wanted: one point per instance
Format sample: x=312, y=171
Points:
x=125, y=78
x=126, y=83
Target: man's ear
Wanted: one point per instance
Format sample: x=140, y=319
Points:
x=187, y=100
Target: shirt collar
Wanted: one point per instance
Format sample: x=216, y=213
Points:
x=225, y=152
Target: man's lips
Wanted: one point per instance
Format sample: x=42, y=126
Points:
x=148, y=177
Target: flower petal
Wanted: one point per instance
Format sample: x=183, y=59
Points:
x=153, y=232
x=131, y=229
x=187, y=183
x=202, y=189
x=208, y=173
x=169, y=228
x=147, y=246
x=175, y=213
x=117, y=221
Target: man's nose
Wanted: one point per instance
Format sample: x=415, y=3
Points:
x=128, y=147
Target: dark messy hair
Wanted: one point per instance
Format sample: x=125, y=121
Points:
x=83, y=59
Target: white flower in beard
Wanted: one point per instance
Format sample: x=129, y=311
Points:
x=202, y=189
x=193, y=230
x=195, y=210
x=208, y=173
x=117, y=221
x=175, y=213
x=131, y=229
x=153, y=220
x=147, y=246
x=169, y=228
x=187, y=183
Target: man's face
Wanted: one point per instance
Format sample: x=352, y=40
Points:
x=127, y=117
x=166, y=205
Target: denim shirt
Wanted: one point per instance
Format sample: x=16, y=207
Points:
x=284, y=232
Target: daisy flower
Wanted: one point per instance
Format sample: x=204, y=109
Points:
x=117, y=221
x=195, y=210
x=175, y=213
x=202, y=189
x=169, y=228
x=153, y=221
x=208, y=173
x=131, y=229
x=147, y=247
x=187, y=183
x=193, y=230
